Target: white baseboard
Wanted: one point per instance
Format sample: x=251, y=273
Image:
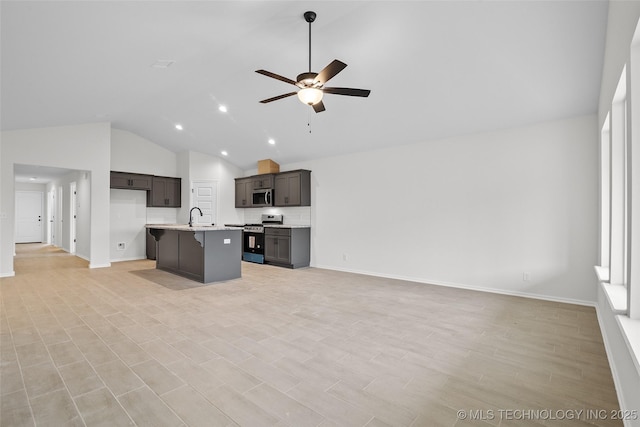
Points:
x=467, y=287
x=138, y=258
x=9, y=274
x=91, y=265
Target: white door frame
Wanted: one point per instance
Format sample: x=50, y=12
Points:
x=72, y=217
x=51, y=216
x=60, y=212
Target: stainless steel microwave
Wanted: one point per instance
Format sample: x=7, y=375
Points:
x=263, y=197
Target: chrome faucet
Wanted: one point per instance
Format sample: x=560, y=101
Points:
x=191, y=217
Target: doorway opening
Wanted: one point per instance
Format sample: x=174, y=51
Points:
x=65, y=207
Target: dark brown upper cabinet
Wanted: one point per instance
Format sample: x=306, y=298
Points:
x=292, y=188
x=130, y=181
x=244, y=188
x=165, y=192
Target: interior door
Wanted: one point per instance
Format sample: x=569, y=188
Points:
x=205, y=197
x=29, y=205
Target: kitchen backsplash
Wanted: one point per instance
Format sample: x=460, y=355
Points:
x=292, y=216
x=162, y=216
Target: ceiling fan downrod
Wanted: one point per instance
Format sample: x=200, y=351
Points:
x=309, y=16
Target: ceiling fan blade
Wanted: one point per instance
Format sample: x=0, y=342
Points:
x=329, y=71
x=347, y=91
x=275, y=76
x=275, y=98
x=319, y=107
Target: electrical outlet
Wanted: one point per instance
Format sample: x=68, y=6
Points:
x=122, y=246
x=526, y=276
x=344, y=257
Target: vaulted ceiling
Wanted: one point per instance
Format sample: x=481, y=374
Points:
x=435, y=69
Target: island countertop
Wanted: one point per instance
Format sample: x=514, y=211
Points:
x=185, y=227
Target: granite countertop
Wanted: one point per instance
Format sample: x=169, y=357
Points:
x=185, y=227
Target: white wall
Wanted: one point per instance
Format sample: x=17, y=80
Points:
x=82, y=147
x=622, y=21
x=84, y=220
x=194, y=166
x=128, y=217
x=28, y=186
x=132, y=153
x=475, y=211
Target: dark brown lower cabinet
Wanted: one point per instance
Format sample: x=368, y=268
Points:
x=151, y=245
x=287, y=247
x=204, y=256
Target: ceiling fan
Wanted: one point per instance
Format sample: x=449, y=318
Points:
x=312, y=84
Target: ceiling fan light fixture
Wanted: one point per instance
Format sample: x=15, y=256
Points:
x=310, y=95
x=312, y=85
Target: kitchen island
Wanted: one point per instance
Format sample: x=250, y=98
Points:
x=202, y=253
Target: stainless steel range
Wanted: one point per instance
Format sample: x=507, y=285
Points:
x=253, y=238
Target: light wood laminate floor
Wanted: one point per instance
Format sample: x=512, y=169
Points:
x=129, y=345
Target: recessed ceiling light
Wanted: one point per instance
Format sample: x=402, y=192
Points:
x=179, y=126
x=224, y=153
x=272, y=141
x=222, y=108
x=33, y=178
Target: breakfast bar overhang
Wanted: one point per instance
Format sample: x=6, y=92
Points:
x=202, y=253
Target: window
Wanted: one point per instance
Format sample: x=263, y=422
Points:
x=618, y=185
x=633, y=130
x=620, y=192
x=605, y=179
